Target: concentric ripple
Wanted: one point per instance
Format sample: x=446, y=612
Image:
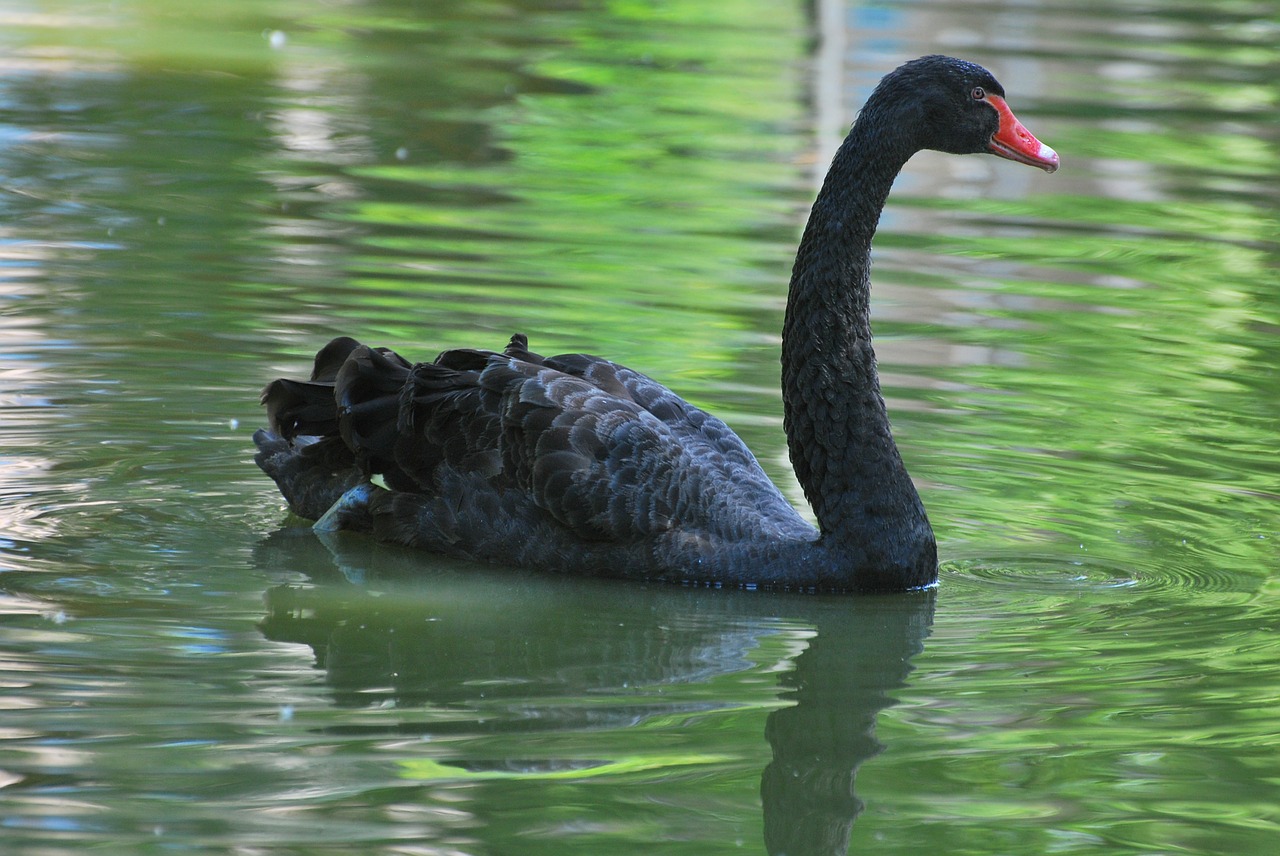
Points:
x=1050, y=575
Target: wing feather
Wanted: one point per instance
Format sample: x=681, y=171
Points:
x=607, y=452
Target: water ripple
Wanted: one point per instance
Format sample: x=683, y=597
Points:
x=1048, y=576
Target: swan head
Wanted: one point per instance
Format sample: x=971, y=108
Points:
x=959, y=107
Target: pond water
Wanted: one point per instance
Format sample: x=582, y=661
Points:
x=1083, y=370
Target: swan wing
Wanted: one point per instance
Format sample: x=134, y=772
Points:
x=607, y=452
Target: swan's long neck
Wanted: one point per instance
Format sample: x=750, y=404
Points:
x=837, y=428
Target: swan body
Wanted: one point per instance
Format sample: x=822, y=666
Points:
x=576, y=464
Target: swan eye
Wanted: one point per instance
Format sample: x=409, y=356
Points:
x=978, y=93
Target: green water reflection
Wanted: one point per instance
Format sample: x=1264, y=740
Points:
x=1081, y=369
x=530, y=716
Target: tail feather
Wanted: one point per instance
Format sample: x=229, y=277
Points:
x=367, y=397
x=298, y=408
x=311, y=474
x=330, y=433
x=332, y=357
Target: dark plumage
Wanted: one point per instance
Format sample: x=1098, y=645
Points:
x=573, y=463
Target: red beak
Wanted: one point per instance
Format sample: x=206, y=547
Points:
x=1016, y=143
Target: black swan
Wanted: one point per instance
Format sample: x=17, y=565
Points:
x=579, y=465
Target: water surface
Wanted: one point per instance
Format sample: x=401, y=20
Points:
x=1081, y=370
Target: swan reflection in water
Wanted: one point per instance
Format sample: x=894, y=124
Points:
x=567, y=655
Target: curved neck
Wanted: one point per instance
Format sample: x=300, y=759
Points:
x=837, y=428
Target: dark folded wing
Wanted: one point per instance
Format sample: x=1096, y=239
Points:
x=606, y=451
